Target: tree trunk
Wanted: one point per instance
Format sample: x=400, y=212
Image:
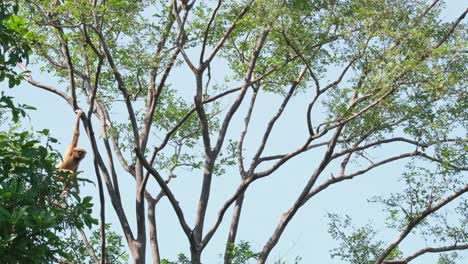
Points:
x=140, y=242
x=138, y=252
x=196, y=256
x=153, y=233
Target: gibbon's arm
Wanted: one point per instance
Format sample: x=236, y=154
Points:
x=76, y=134
x=76, y=130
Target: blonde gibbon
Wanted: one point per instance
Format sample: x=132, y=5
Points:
x=73, y=155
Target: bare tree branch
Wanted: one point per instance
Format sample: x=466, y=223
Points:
x=207, y=30
x=147, y=121
x=248, y=78
x=106, y=125
x=159, y=47
x=451, y=30
x=96, y=166
x=444, y=162
x=274, y=119
x=340, y=78
x=416, y=220
x=424, y=251
x=116, y=202
x=71, y=75
x=240, y=145
x=334, y=180
x=167, y=191
x=240, y=200
x=286, y=217
x=280, y=156
x=89, y=248
x=121, y=85
x=226, y=35
x=242, y=187
x=428, y=9
x=49, y=88
x=284, y=158
x=233, y=228
x=181, y=37
x=391, y=140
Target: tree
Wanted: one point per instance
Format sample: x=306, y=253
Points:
x=34, y=218
x=32, y=215
x=14, y=48
x=79, y=253
x=380, y=77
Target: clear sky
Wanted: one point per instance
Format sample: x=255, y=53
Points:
x=306, y=236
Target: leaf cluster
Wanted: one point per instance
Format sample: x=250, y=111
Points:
x=241, y=253
x=357, y=245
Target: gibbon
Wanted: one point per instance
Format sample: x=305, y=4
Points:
x=73, y=155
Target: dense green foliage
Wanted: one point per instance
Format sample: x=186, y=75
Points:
x=33, y=216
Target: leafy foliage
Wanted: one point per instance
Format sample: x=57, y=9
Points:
x=356, y=244
x=238, y=254
x=241, y=253
x=16, y=111
x=181, y=259
x=32, y=213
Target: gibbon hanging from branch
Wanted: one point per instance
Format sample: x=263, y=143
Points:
x=73, y=156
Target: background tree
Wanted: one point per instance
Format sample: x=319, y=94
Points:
x=33, y=217
x=79, y=253
x=380, y=82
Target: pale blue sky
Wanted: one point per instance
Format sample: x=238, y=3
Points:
x=266, y=199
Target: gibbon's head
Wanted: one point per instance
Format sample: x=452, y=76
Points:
x=79, y=153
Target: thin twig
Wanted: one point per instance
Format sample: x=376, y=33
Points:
x=89, y=248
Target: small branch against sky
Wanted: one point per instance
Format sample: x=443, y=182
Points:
x=425, y=251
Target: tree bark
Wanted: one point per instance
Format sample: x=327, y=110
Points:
x=153, y=233
x=195, y=256
x=138, y=252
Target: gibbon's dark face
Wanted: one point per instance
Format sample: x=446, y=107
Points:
x=79, y=153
